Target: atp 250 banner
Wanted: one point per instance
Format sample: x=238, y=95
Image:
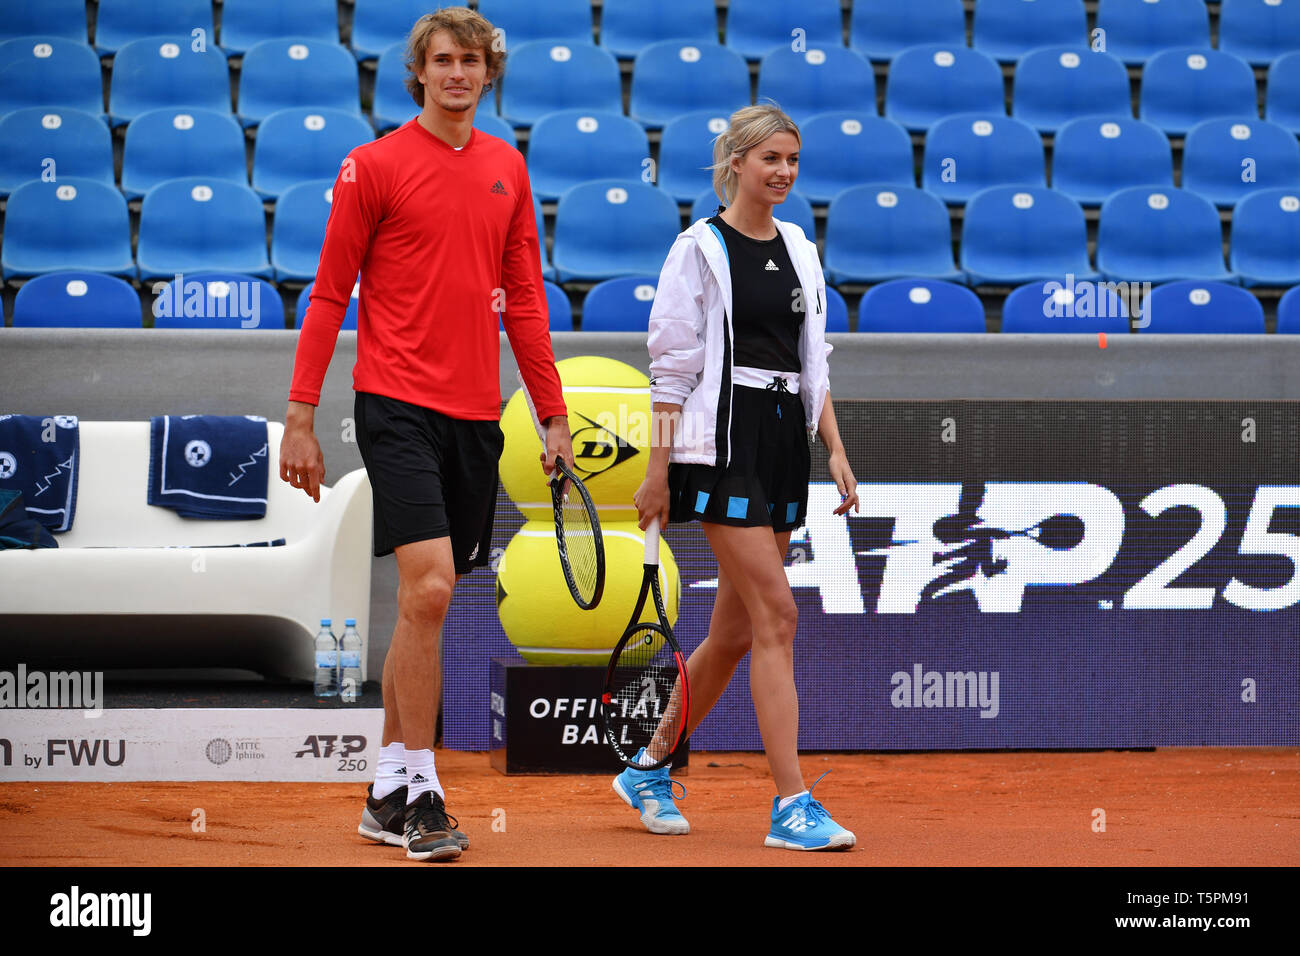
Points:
x=1024, y=574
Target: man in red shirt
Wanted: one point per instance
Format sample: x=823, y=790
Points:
x=437, y=217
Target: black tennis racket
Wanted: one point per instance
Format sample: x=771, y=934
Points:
x=646, y=699
x=577, y=527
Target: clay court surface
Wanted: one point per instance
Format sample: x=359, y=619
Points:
x=1177, y=807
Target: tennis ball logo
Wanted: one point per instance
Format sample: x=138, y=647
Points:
x=538, y=614
x=609, y=422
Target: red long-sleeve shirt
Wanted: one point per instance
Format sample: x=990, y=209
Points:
x=442, y=239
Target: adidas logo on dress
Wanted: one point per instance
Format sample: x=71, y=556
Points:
x=771, y=266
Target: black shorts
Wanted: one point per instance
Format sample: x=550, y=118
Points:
x=766, y=483
x=431, y=476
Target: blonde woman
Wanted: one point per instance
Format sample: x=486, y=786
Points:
x=739, y=390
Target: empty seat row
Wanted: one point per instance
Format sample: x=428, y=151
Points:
x=925, y=83
x=232, y=301
x=1006, y=29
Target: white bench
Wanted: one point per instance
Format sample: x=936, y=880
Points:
x=117, y=593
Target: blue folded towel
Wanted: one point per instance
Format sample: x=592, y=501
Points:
x=39, y=457
x=17, y=528
x=209, y=466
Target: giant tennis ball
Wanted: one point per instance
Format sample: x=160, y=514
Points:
x=609, y=419
x=538, y=614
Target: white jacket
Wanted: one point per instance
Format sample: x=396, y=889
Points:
x=692, y=342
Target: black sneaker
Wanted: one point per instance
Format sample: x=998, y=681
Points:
x=384, y=821
x=429, y=832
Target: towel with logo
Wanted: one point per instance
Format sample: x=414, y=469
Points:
x=209, y=466
x=39, y=456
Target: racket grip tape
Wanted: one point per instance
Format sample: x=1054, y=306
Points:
x=652, y=542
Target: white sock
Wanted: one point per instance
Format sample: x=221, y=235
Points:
x=643, y=759
x=421, y=776
x=786, y=801
x=391, y=772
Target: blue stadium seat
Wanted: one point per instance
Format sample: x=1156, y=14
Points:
x=43, y=140
x=706, y=205
x=523, y=21
x=920, y=305
x=1220, y=153
x=49, y=71
x=927, y=83
x=349, y=317
x=65, y=19
x=837, y=311
x=568, y=147
x=1094, y=156
x=494, y=125
x=378, y=24
x=171, y=143
x=559, y=311
x=608, y=228
x=843, y=149
x=75, y=224
x=673, y=78
x=1057, y=84
x=1198, y=307
x=620, y=305
x=548, y=270
x=1282, y=97
x=879, y=232
x=686, y=153
x=1008, y=29
x=1265, y=247
x=627, y=27
x=246, y=23
x=299, y=144
x=121, y=21
x=817, y=80
x=299, y=229
x=881, y=29
x=202, y=225
x=212, y=299
x=1159, y=234
x=393, y=104
x=1259, y=31
x=544, y=77
x=756, y=27
x=287, y=73
x=1136, y=30
x=1083, y=308
x=795, y=209
x=77, y=300
x=969, y=152
x=558, y=308
x=1180, y=88
x=160, y=72
x=1288, y=313
x=1016, y=234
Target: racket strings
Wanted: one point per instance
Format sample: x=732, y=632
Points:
x=646, y=697
x=580, y=543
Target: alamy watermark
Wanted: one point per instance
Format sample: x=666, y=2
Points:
x=209, y=299
x=1097, y=300
x=71, y=690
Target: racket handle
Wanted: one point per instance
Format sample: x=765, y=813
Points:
x=652, y=542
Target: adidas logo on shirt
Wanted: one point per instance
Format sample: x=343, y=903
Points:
x=771, y=266
x=499, y=189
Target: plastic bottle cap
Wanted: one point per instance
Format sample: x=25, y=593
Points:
x=350, y=622
x=325, y=622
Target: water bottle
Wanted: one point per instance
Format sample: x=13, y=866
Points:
x=327, y=661
x=350, y=661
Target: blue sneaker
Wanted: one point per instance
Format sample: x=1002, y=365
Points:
x=651, y=792
x=805, y=825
